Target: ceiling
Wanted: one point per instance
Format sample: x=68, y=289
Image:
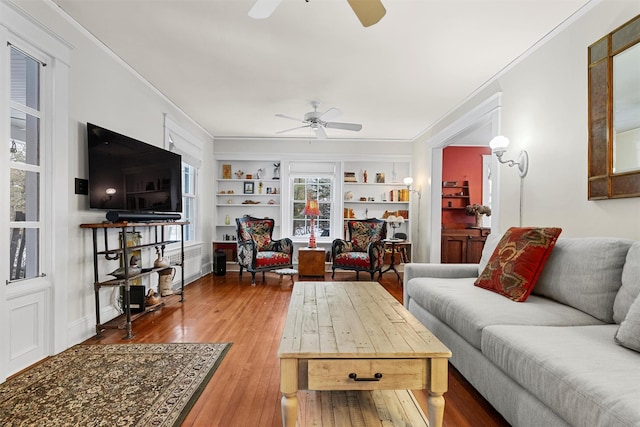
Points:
x=232, y=74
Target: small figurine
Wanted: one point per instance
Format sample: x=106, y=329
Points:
x=259, y=173
x=239, y=174
x=364, y=176
x=276, y=170
x=133, y=269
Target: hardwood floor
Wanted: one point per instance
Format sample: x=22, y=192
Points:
x=244, y=391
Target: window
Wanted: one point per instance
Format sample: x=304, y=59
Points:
x=26, y=173
x=312, y=182
x=189, y=200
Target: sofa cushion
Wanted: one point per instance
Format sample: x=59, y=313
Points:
x=628, y=333
x=517, y=261
x=468, y=309
x=576, y=371
x=630, y=288
x=585, y=273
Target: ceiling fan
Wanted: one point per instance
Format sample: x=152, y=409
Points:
x=368, y=12
x=318, y=121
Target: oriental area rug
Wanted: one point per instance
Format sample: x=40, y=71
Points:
x=111, y=385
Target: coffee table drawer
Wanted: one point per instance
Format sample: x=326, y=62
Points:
x=338, y=374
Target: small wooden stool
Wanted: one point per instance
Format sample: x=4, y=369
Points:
x=286, y=272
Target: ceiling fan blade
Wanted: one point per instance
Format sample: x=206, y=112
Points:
x=263, y=8
x=368, y=11
x=331, y=113
x=289, y=130
x=320, y=133
x=344, y=126
x=290, y=118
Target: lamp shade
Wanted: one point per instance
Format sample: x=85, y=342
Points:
x=311, y=208
x=499, y=143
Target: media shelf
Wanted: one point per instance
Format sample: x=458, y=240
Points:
x=122, y=253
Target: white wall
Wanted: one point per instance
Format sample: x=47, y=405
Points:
x=106, y=92
x=544, y=111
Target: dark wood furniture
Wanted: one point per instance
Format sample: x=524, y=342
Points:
x=463, y=245
x=311, y=262
x=156, y=237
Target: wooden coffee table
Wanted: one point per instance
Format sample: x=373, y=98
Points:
x=356, y=336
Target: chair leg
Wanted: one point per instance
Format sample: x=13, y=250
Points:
x=263, y=279
x=253, y=278
x=373, y=274
x=333, y=273
x=240, y=273
x=357, y=275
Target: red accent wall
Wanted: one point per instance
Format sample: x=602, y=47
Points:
x=463, y=164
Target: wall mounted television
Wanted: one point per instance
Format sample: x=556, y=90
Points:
x=129, y=175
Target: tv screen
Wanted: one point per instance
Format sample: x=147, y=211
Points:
x=130, y=175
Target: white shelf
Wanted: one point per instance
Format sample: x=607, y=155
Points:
x=379, y=184
x=261, y=205
x=248, y=180
x=374, y=202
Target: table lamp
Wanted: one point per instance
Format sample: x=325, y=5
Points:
x=311, y=209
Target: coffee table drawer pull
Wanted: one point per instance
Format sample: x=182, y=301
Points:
x=376, y=377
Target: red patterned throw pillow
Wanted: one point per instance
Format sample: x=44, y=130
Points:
x=517, y=261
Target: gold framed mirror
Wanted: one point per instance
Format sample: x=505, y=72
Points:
x=614, y=114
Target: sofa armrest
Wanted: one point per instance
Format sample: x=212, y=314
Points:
x=443, y=271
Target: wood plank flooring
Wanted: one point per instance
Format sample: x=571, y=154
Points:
x=244, y=391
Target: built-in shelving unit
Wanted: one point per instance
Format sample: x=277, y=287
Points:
x=256, y=192
x=375, y=189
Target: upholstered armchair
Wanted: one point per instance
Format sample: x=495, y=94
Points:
x=364, y=251
x=257, y=250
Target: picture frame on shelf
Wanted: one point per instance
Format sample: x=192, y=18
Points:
x=226, y=171
x=249, y=187
x=380, y=178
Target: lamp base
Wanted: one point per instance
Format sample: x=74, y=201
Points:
x=312, y=238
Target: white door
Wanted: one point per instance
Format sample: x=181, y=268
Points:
x=33, y=233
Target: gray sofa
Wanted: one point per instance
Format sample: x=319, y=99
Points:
x=551, y=360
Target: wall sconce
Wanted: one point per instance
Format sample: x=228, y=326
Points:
x=311, y=209
x=499, y=145
x=408, y=181
x=109, y=195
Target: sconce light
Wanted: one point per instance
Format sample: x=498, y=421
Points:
x=408, y=181
x=311, y=209
x=499, y=145
x=109, y=195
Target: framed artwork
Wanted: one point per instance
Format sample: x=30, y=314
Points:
x=248, y=187
x=226, y=171
x=380, y=178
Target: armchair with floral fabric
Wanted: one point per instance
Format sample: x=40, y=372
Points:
x=257, y=250
x=364, y=251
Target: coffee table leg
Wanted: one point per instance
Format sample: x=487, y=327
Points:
x=438, y=385
x=289, y=389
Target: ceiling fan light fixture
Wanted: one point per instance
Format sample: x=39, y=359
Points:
x=263, y=8
x=369, y=12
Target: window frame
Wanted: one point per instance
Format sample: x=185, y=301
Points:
x=321, y=170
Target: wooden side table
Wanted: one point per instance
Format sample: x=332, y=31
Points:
x=311, y=262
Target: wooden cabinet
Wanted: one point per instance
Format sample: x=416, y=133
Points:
x=311, y=262
x=121, y=253
x=463, y=245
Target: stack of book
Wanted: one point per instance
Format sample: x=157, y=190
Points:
x=350, y=177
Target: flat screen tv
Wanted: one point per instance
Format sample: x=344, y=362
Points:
x=129, y=175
